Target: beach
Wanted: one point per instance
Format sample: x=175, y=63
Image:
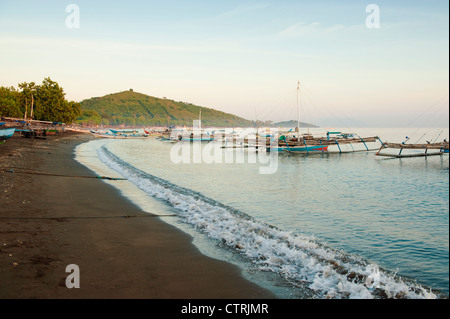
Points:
x=54, y=212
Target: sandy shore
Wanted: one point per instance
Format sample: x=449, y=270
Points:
x=48, y=222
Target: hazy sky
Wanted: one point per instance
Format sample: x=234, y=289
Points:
x=242, y=57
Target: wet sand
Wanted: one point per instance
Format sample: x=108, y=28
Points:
x=48, y=222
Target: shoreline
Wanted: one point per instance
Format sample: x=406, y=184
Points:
x=49, y=222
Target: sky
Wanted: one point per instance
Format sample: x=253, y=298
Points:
x=356, y=65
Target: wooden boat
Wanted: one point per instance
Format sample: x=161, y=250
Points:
x=193, y=135
x=124, y=131
x=33, y=132
x=6, y=133
x=401, y=150
x=343, y=144
x=120, y=135
x=151, y=133
x=53, y=131
x=164, y=138
x=333, y=142
x=103, y=135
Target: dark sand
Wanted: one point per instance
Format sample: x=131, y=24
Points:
x=48, y=222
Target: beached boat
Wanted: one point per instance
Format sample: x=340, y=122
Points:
x=6, y=133
x=192, y=135
x=164, y=138
x=401, y=150
x=103, y=134
x=332, y=142
x=152, y=133
x=124, y=131
x=119, y=134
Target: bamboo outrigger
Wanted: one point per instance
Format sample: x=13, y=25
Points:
x=338, y=144
x=333, y=142
x=413, y=150
x=33, y=128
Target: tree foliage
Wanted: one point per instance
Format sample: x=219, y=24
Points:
x=10, y=102
x=133, y=108
x=45, y=102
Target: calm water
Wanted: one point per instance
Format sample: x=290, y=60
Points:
x=340, y=226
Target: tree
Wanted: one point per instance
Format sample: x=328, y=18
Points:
x=9, y=102
x=45, y=102
x=27, y=97
x=51, y=104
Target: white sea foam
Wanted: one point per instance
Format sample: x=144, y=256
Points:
x=300, y=259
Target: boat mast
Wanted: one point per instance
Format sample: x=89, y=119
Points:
x=298, y=110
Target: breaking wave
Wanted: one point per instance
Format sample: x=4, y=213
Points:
x=300, y=259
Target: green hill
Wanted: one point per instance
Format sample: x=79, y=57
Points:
x=132, y=108
x=292, y=123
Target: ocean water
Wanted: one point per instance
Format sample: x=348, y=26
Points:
x=349, y=225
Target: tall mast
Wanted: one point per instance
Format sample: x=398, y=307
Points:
x=298, y=108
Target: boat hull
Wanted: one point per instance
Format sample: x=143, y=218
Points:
x=412, y=150
x=6, y=133
x=197, y=139
x=330, y=148
x=408, y=153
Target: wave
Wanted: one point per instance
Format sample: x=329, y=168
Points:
x=300, y=259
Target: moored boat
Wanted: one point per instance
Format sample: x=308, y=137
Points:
x=402, y=150
x=339, y=144
x=331, y=142
x=196, y=134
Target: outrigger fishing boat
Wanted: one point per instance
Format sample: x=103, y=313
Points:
x=6, y=132
x=193, y=135
x=102, y=134
x=333, y=142
x=124, y=131
x=400, y=150
x=117, y=134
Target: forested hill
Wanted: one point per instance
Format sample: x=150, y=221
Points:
x=132, y=108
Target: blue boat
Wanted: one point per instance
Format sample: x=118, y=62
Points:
x=125, y=131
x=120, y=135
x=6, y=133
x=325, y=145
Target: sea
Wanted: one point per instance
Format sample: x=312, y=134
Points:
x=304, y=226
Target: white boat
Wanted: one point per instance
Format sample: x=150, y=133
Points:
x=333, y=142
x=194, y=134
x=119, y=134
x=401, y=150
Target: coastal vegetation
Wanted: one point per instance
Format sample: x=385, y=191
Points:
x=47, y=102
x=291, y=123
x=133, y=108
x=44, y=102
